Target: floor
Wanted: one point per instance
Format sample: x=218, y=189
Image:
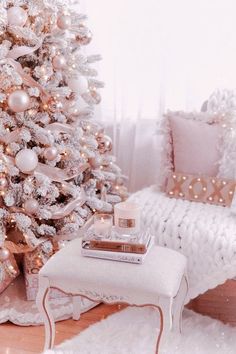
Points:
x=218, y=303
x=29, y=340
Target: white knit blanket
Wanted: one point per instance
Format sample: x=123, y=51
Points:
x=204, y=233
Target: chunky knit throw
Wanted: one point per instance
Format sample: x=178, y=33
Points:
x=204, y=233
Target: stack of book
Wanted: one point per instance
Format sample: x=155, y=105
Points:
x=124, y=249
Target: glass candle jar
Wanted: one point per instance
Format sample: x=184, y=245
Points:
x=103, y=224
x=127, y=217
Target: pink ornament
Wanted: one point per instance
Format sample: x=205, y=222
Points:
x=18, y=101
x=95, y=162
x=64, y=22
x=31, y=206
x=79, y=85
x=59, y=62
x=3, y=183
x=4, y=254
x=26, y=160
x=50, y=153
x=16, y=16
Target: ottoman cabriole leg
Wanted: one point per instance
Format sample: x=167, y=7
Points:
x=45, y=311
x=179, y=304
x=158, y=343
x=76, y=307
x=43, y=306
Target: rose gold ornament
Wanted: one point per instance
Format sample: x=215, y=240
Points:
x=119, y=181
x=18, y=101
x=26, y=160
x=31, y=206
x=50, y=153
x=95, y=161
x=4, y=254
x=16, y=16
x=59, y=62
x=3, y=183
x=95, y=96
x=104, y=143
x=64, y=22
x=85, y=38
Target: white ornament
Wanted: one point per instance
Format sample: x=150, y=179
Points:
x=16, y=16
x=18, y=101
x=79, y=85
x=26, y=160
x=4, y=254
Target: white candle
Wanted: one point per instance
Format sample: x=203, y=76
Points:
x=103, y=225
x=127, y=217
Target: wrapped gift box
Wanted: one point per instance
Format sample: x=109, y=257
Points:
x=32, y=265
x=8, y=272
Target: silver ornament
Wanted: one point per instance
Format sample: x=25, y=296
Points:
x=3, y=183
x=4, y=254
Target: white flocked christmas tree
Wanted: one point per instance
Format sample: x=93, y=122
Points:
x=56, y=167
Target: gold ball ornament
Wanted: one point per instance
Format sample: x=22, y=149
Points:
x=104, y=143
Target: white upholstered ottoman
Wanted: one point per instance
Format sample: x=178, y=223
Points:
x=160, y=282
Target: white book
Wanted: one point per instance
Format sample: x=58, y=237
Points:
x=118, y=256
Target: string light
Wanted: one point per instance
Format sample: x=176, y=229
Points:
x=8, y=150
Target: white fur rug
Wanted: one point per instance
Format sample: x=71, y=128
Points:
x=134, y=331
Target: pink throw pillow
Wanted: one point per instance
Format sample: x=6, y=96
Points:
x=195, y=146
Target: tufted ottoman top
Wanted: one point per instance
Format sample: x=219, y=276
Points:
x=160, y=275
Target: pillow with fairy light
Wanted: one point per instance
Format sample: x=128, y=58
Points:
x=193, y=158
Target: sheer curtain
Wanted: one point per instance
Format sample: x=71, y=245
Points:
x=158, y=55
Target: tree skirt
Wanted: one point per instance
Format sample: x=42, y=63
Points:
x=204, y=233
x=134, y=331
x=15, y=308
